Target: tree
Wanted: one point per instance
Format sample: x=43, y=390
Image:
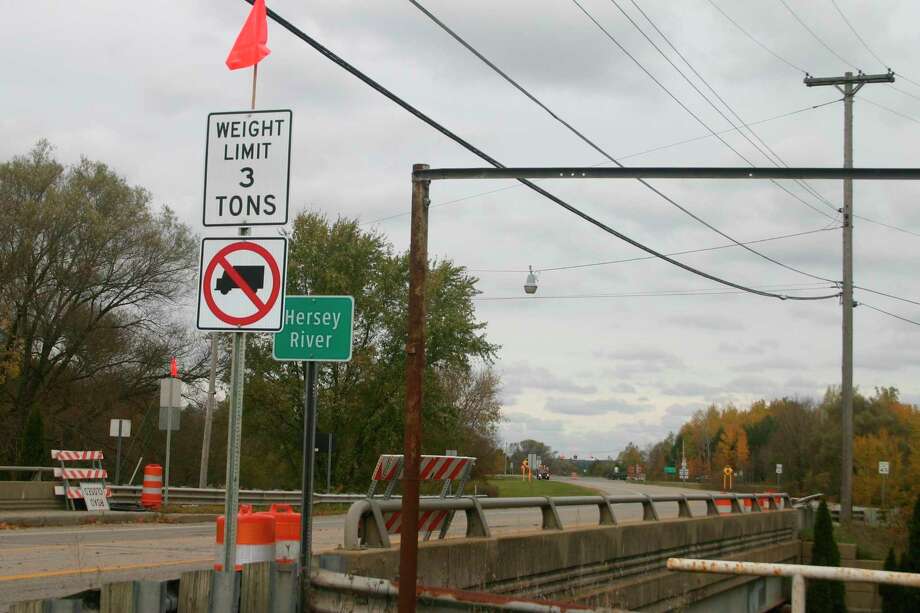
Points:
x=825, y=596
x=91, y=276
x=362, y=401
x=34, y=451
x=910, y=597
x=891, y=594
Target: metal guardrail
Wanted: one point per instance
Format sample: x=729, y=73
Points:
x=35, y=470
x=798, y=572
x=196, y=495
x=365, y=525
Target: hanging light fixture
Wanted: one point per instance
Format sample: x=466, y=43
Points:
x=530, y=286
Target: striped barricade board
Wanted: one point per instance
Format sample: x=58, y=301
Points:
x=446, y=469
x=76, y=479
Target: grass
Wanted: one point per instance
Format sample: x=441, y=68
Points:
x=517, y=488
x=872, y=542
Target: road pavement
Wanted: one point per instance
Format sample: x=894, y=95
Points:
x=46, y=562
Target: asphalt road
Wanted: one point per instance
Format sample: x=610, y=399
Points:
x=46, y=562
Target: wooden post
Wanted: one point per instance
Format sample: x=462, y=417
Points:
x=415, y=368
x=254, y=588
x=195, y=591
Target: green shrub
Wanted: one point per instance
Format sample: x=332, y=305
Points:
x=825, y=596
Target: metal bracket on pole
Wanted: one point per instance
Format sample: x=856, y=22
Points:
x=755, y=505
x=476, y=524
x=607, y=516
x=711, y=508
x=736, y=508
x=551, y=519
x=649, y=513
x=683, y=507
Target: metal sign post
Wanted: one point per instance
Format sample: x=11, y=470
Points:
x=170, y=403
x=119, y=428
x=316, y=329
x=883, y=469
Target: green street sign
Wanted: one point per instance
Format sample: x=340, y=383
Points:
x=316, y=329
x=669, y=470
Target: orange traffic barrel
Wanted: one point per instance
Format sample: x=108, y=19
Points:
x=152, y=489
x=287, y=533
x=255, y=538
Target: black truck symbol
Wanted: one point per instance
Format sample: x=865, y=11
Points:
x=254, y=276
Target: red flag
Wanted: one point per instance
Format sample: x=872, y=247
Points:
x=174, y=368
x=249, y=48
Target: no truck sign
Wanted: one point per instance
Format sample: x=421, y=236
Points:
x=247, y=168
x=241, y=287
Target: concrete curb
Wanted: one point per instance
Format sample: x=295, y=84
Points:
x=78, y=518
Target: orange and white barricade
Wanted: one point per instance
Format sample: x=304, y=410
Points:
x=447, y=469
x=255, y=538
x=94, y=472
x=152, y=489
x=287, y=533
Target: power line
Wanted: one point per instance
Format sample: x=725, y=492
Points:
x=778, y=161
x=889, y=226
x=756, y=41
x=367, y=80
x=648, y=257
x=816, y=37
x=890, y=110
x=879, y=293
x=622, y=157
x=871, y=51
x=856, y=34
x=647, y=294
x=780, y=58
x=597, y=147
x=883, y=311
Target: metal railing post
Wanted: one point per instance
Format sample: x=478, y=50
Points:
x=798, y=594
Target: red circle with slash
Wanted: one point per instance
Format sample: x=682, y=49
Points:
x=262, y=308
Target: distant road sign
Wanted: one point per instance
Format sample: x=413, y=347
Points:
x=670, y=470
x=94, y=495
x=242, y=284
x=247, y=168
x=120, y=427
x=779, y=469
x=883, y=468
x=316, y=329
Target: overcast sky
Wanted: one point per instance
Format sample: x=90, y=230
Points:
x=131, y=84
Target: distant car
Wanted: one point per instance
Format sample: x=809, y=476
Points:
x=543, y=473
x=617, y=476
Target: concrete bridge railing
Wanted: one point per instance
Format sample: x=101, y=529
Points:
x=366, y=524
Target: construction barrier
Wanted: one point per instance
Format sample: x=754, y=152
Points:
x=255, y=538
x=92, y=475
x=287, y=533
x=152, y=490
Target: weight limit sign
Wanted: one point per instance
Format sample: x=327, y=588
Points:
x=241, y=284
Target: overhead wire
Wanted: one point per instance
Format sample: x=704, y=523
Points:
x=648, y=257
x=641, y=294
x=887, y=295
x=799, y=69
x=777, y=161
x=622, y=157
x=756, y=41
x=889, y=109
x=367, y=80
x=597, y=147
x=890, y=314
x=816, y=37
x=874, y=54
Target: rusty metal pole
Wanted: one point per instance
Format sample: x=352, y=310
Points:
x=415, y=367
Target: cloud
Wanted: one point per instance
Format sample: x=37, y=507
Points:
x=521, y=376
x=689, y=388
x=571, y=406
x=706, y=321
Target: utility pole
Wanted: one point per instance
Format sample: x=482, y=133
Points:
x=415, y=369
x=850, y=85
x=208, y=417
